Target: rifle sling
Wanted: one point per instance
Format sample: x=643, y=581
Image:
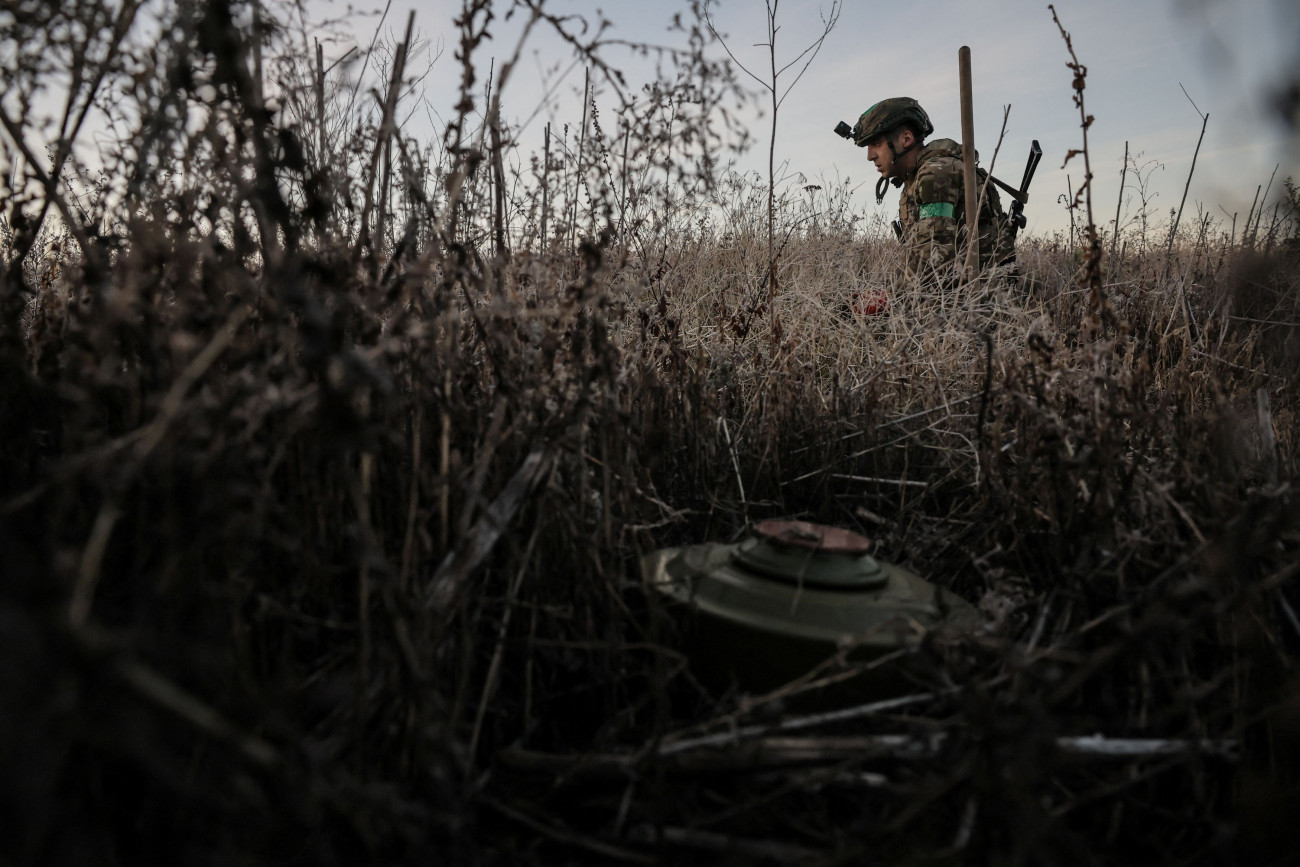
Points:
x=1018, y=195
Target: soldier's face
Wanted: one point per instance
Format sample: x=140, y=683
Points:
x=879, y=152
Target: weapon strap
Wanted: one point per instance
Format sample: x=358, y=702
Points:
x=1022, y=195
x=1010, y=190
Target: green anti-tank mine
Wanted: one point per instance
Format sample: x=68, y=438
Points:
x=768, y=609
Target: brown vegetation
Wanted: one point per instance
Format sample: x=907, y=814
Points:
x=327, y=459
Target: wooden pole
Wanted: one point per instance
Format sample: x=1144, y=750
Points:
x=968, y=155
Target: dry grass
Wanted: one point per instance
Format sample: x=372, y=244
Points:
x=307, y=539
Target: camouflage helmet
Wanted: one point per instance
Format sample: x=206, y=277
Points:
x=889, y=114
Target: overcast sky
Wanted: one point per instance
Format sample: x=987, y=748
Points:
x=1232, y=56
x=1228, y=55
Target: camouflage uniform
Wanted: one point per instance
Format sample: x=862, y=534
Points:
x=932, y=209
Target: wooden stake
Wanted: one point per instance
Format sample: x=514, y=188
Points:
x=968, y=158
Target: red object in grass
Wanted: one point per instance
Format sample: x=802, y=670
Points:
x=870, y=302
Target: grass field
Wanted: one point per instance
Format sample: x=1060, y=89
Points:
x=327, y=459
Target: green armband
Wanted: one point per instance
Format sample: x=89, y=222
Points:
x=938, y=209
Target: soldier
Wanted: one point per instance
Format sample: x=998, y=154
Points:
x=932, y=209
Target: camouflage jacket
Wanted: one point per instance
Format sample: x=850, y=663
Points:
x=932, y=210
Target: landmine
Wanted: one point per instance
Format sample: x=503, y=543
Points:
x=766, y=611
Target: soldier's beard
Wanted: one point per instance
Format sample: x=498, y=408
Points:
x=896, y=171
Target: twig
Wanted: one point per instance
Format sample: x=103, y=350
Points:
x=153, y=686
x=1267, y=439
x=455, y=184
x=984, y=395
x=413, y=501
x=1263, y=203
x=258, y=82
x=1288, y=610
x=171, y=405
x=965, y=828
x=370, y=52
x=766, y=754
x=906, y=418
x=988, y=174
x=483, y=536
x=735, y=464
x=546, y=187
x=494, y=668
x=1101, y=747
x=1119, y=201
x=734, y=847
x=798, y=723
x=83, y=594
x=1205, y=119
x=899, y=482
x=577, y=171
x=370, y=549
x=1245, y=229
x=387, y=128
x=50, y=183
x=320, y=107
x=67, y=137
x=1041, y=622
x=562, y=835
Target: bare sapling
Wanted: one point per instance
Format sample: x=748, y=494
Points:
x=777, y=91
